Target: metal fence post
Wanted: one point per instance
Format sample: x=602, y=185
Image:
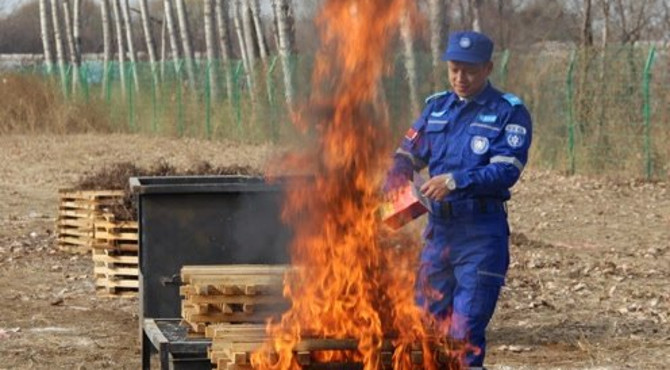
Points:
x=130, y=102
x=154, y=102
x=180, y=106
x=208, y=101
x=271, y=99
x=237, y=97
x=571, y=118
x=646, y=111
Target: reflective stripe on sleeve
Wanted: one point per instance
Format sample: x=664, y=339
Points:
x=509, y=160
x=416, y=162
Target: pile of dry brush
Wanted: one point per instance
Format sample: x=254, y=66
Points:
x=115, y=177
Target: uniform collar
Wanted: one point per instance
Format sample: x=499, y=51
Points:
x=482, y=98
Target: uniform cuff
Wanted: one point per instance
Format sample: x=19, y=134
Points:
x=462, y=179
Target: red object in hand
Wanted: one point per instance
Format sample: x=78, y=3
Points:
x=406, y=205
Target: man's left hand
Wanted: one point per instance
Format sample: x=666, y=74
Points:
x=436, y=188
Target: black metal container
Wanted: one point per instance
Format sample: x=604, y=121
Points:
x=202, y=221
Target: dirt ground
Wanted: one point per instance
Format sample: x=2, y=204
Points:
x=587, y=288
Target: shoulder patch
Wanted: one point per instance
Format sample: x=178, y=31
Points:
x=512, y=99
x=436, y=95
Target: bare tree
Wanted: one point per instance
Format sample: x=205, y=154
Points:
x=209, y=43
x=475, y=8
x=605, y=5
x=248, y=35
x=127, y=22
x=186, y=41
x=107, y=43
x=436, y=14
x=241, y=41
x=70, y=44
x=76, y=30
x=163, y=47
x=172, y=33
x=121, y=53
x=46, y=44
x=258, y=26
x=634, y=17
x=282, y=10
x=224, y=43
x=587, y=31
x=410, y=63
x=58, y=40
x=149, y=39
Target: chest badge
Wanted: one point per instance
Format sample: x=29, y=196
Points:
x=479, y=144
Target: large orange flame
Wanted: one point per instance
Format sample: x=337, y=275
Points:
x=347, y=284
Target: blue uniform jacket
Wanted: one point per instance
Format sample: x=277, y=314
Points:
x=483, y=143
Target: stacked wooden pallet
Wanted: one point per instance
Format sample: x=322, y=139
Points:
x=115, y=256
x=234, y=344
x=77, y=212
x=231, y=294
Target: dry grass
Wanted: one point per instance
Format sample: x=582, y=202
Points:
x=33, y=104
x=607, y=109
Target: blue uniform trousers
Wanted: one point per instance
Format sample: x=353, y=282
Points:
x=463, y=267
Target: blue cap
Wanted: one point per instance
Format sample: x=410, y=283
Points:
x=469, y=47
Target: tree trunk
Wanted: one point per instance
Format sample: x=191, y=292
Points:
x=587, y=32
x=209, y=43
x=410, y=63
x=149, y=39
x=46, y=44
x=258, y=26
x=163, y=47
x=76, y=30
x=282, y=10
x=58, y=40
x=107, y=45
x=243, y=47
x=247, y=29
x=476, y=17
x=186, y=41
x=121, y=53
x=70, y=44
x=169, y=21
x=131, y=44
x=435, y=10
x=224, y=43
x=502, y=25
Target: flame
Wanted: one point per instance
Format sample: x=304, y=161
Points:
x=350, y=282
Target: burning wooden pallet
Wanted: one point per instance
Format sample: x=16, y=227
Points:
x=115, y=256
x=231, y=294
x=77, y=212
x=233, y=345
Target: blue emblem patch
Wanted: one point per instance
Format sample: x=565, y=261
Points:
x=465, y=42
x=515, y=135
x=479, y=144
x=487, y=118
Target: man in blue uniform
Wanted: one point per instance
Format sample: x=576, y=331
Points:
x=474, y=141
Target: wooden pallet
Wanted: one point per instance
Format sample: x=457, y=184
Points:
x=231, y=294
x=115, y=256
x=233, y=345
x=77, y=212
x=116, y=273
x=115, y=235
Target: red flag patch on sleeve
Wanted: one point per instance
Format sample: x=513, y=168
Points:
x=411, y=134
